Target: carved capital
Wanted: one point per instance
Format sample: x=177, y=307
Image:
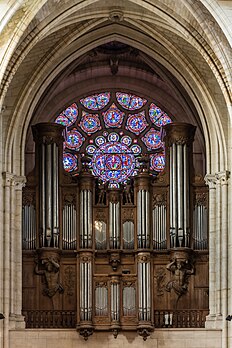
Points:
x=159, y=199
x=20, y=182
x=8, y=179
x=144, y=257
x=222, y=177
x=211, y=181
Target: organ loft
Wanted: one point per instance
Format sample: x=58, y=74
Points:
x=115, y=232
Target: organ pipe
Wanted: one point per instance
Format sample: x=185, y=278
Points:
x=86, y=217
x=178, y=141
x=49, y=140
x=143, y=220
x=144, y=286
x=86, y=288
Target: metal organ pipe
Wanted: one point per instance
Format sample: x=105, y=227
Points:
x=143, y=225
x=86, y=219
x=173, y=193
x=178, y=138
x=48, y=195
x=144, y=287
x=48, y=140
x=42, y=198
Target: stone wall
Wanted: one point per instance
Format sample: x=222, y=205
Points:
x=165, y=338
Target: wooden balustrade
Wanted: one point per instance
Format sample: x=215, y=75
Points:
x=189, y=318
x=184, y=318
x=49, y=319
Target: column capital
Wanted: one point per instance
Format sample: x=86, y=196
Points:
x=7, y=179
x=19, y=182
x=222, y=177
x=211, y=180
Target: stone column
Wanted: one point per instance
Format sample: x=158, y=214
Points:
x=7, y=181
x=211, y=182
x=218, y=252
x=19, y=182
x=222, y=178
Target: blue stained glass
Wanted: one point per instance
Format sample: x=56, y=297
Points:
x=152, y=139
x=74, y=140
x=130, y=101
x=71, y=112
x=113, y=137
x=90, y=149
x=136, y=123
x=100, y=140
x=113, y=162
x=90, y=123
x=164, y=119
x=136, y=149
x=69, y=162
x=61, y=119
x=126, y=140
x=157, y=162
x=96, y=101
x=113, y=117
x=157, y=116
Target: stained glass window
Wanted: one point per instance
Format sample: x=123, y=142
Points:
x=136, y=123
x=96, y=102
x=113, y=117
x=157, y=162
x=130, y=101
x=115, y=137
x=90, y=123
x=68, y=116
x=152, y=139
x=113, y=162
x=157, y=116
x=69, y=161
x=74, y=139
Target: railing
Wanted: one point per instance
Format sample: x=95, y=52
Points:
x=50, y=319
x=189, y=318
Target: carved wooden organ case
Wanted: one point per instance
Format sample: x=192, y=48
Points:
x=131, y=258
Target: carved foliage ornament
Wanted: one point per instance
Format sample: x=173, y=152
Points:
x=159, y=199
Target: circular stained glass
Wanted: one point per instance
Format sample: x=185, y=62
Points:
x=100, y=140
x=152, y=139
x=74, y=140
x=126, y=140
x=136, y=149
x=113, y=162
x=69, y=162
x=113, y=117
x=136, y=123
x=90, y=149
x=113, y=137
x=90, y=123
x=157, y=162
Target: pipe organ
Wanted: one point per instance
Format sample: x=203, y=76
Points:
x=99, y=260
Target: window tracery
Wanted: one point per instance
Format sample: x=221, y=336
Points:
x=114, y=134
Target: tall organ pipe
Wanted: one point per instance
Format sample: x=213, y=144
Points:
x=178, y=140
x=144, y=286
x=48, y=147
